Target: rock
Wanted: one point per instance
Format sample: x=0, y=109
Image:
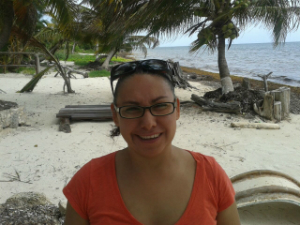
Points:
x=27, y=199
x=29, y=208
x=12, y=117
x=62, y=206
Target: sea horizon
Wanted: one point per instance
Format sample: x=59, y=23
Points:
x=244, y=60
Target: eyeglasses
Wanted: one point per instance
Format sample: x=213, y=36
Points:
x=133, y=111
x=148, y=66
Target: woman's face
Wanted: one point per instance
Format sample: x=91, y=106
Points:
x=149, y=135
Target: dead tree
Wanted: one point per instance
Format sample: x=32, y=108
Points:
x=265, y=78
x=177, y=77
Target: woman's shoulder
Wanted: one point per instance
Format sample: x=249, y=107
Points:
x=201, y=158
x=103, y=161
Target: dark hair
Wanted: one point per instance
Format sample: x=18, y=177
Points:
x=116, y=130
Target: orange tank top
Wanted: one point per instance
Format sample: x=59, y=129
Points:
x=94, y=194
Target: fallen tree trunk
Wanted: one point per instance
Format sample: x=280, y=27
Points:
x=255, y=125
x=230, y=107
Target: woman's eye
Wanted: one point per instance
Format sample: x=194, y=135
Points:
x=160, y=106
x=132, y=109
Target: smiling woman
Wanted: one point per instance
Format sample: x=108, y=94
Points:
x=151, y=181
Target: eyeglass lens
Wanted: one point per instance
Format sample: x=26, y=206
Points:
x=160, y=109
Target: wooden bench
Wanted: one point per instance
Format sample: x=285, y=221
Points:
x=82, y=112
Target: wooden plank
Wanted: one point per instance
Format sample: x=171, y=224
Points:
x=71, y=111
x=92, y=116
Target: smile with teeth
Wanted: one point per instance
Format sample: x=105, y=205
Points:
x=150, y=137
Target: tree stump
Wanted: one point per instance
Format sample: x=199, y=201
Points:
x=276, y=104
x=283, y=95
x=267, y=109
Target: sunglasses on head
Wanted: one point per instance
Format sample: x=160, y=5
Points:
x=146, y=66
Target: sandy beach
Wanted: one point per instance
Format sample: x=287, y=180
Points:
x=46, y=159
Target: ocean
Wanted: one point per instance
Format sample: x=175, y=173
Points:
x=244, y=60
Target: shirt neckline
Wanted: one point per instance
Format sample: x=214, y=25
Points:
x=185, y=213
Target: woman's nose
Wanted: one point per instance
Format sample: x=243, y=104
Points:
x=148, y=121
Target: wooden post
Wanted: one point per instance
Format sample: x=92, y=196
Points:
x=277, y=110
x=283, y=95
x=37, y=64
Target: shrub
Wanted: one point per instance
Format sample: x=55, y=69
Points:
x=26, y=70
x=99, y=73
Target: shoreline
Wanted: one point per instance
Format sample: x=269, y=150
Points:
x=238, y=79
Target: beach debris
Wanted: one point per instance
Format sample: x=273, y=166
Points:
x=177, y=77
x=255, y=125
x=69, y=72
x=276, y=104
x=265, y=78
x=27, y=208
x=11, y=115
x=14, y=177
x=230, y=107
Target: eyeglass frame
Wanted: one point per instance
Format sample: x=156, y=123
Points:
x=138, y=63
x=118, y=109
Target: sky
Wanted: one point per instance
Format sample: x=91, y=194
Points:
x=250, y=35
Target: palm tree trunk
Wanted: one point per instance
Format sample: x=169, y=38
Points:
x=7, y=11
x=226, y=81
x=105, y=64
x=73, y=48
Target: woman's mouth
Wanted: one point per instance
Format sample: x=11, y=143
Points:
x=149, y=137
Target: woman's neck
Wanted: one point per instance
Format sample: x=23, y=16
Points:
x=161, y=163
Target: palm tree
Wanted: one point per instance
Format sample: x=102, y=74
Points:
x=128, y=43
x=25, y=14
x=217, y=20
x=102, y=20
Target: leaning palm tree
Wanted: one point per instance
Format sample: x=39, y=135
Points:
x=101, y=22
x=128, y=43
x=215, y=21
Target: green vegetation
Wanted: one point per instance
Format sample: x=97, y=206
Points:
x=83, y=60
x=26, y=70
x=99, y=73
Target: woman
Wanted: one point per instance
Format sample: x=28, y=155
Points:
x=151, y=181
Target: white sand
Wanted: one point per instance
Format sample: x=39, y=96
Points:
x=48, y=158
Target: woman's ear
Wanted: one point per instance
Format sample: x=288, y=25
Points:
x=177, y=109
x=114, y=114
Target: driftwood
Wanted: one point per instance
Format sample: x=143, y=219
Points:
x=282, y=95
x=276, y=104
x=69, y=72
x=246, y=83
x=177, y=78
x=265, y=78
x=255, y=125
x=267, y=109
x=230, y=107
